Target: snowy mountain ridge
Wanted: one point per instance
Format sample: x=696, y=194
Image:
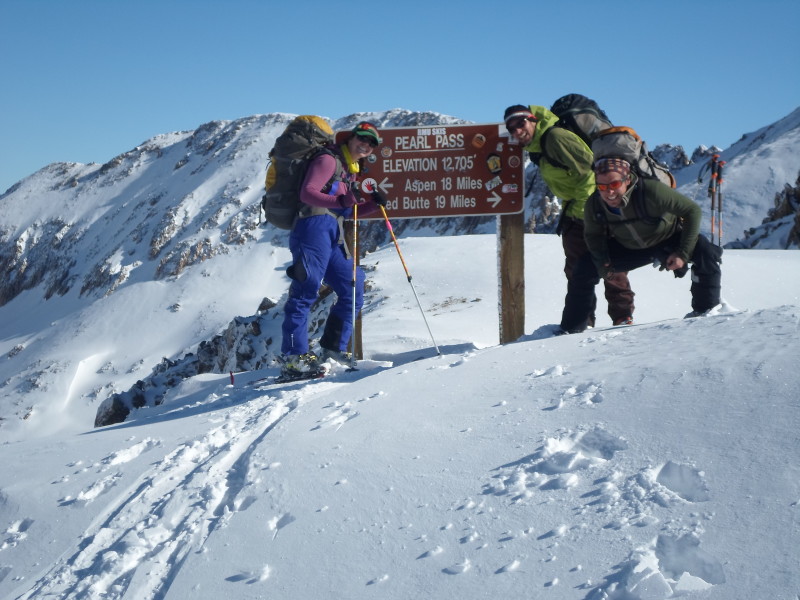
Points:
x=174, y=201
x=180, y=198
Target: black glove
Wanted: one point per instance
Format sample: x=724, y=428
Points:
x=355, y=187
x=379, y=198
x=682, y=271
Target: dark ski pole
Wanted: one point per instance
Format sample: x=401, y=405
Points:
x=712, y=192
x=408, y=275
x=719, y=202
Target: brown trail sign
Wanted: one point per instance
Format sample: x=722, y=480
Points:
x=446, y=171
x=454, y=171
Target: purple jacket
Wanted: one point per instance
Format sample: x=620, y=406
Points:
x=340, y=197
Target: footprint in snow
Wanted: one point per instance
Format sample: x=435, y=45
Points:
x=250, y=577
x=277, y=523
x=93, y=491
x=630, y=501
x=15, y=533
x=669, y=567
x=557, y=463
x=459, y=568
x=587, y=394
x=509, y=568
x=340, y=415
x=687, y=482
x=556, y=371
x=383, y=578
x=663, y=486
x=679, y=556
x=129, y=454
x=435, y=552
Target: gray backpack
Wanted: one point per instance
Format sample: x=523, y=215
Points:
x=625, y=143
x=303, y=138
x=578, y=114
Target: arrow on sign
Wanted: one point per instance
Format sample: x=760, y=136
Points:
x=495, y=199
x=385, y=185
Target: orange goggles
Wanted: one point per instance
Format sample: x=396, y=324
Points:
x=613, y=185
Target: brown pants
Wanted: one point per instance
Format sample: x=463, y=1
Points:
x=617, y=288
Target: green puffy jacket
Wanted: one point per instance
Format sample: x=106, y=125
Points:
x=565, y=163
x=665, y=209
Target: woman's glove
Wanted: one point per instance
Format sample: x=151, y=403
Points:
x=347, y=200
x=344, y=195
x=379, y=198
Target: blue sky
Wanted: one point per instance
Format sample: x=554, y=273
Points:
x=85, y=80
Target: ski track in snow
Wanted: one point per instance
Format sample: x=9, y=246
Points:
x=170, y=512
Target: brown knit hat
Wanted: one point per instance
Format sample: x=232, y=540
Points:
x=612, y=165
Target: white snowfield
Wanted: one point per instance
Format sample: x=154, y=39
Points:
x=639, y=463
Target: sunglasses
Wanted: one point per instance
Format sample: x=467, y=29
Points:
x=512, y=126
x=613, y=185
x=370, y=132
x=367, y=138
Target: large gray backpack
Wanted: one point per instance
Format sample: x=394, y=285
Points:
x=578, y=114
x=303, y=138
x=625, y=143
x=581, y=115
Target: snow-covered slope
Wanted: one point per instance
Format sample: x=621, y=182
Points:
x=646, y=462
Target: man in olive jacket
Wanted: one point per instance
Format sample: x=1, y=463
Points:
x=565, y=163
x=631, y=222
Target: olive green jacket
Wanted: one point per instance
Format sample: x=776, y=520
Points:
x=573, y=180
x=665, y=210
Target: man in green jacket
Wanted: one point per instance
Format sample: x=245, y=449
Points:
x=565, y=162
x=631, y=222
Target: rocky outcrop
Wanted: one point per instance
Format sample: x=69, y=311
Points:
x=244, y=345
x=782, y=219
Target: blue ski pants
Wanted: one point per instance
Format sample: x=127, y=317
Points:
x=318, y=257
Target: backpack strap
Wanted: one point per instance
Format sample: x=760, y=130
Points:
x=339, y=174
x=542, y=142
x=641, y=209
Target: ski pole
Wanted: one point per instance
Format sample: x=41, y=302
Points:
x=712, y=192
x=355, y=278
x=408, y=275
x=719, y=202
